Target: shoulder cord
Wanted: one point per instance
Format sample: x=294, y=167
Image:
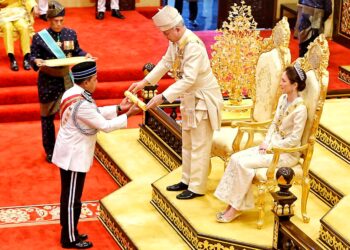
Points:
x=88, y=131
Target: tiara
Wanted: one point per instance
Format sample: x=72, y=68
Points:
x=299, y=71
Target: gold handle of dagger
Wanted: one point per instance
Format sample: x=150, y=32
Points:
x=136, y=100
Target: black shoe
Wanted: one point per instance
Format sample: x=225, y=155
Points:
x=26, y=64
x=49, y=158
x=43, y=17
x=78, y=245
x=117, y=14
x=13, y=65
x=83, y=236
x=187, y=194
x=177, y=187
x=100, y=15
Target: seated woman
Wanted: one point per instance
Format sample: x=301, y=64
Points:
x=286, y=130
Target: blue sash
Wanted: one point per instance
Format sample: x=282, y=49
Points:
x=55, y=49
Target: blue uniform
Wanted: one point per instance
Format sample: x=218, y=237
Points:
x=52, y=82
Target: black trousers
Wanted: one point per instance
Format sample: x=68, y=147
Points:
x=192, y=5
x=303, y=46
x=72, y=184
x=48, y=133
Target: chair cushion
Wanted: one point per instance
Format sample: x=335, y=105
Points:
x=223, y=139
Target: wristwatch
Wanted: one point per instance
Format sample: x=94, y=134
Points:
x=119, y=109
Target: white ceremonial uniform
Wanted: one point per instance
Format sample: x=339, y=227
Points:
x=286, y=130
x=201, y=104
x=74, y=150
x=43, y=6
x=101, y=5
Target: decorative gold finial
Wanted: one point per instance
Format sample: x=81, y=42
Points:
x=236, y=52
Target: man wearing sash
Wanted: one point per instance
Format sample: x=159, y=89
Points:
x=201, y=99
x=16, y=15
x=54, y=42
x=74, y=150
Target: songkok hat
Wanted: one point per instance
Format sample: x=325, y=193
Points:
x=83, y=70
x=55, y=9
x=167, y=18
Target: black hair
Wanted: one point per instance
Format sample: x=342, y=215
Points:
x=294, y=77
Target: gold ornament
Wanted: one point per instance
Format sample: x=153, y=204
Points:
x=236, y=52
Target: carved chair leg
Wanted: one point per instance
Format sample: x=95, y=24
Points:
x=304, y=197
x=261, y=205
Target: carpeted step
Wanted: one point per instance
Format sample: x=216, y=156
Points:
x=21, y=103
x=105, y=90
x=31, y=111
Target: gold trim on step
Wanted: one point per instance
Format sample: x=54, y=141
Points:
x=187, y=232
x=324, y=191
x=117, y=174
x=331, y=240
x=157, y=149
x=115, y=230
x=334, y=143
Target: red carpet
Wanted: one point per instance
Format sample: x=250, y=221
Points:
x=26, y=180
x=115, y=42
x=122, y=48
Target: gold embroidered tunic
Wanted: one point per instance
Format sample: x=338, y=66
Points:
x=15, y=15
x=201, y=103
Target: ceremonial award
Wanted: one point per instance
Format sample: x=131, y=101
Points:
x=136, y=100
x=67, y=61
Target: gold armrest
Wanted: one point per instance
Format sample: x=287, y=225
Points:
x=287, y=150
x=253, y=124
x=276, y=151
x=249, y=129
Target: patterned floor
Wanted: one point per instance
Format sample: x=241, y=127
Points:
x=43, y=214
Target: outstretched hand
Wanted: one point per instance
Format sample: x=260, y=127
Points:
x=125, y=104
x=134, y=109
x=136, y=86
x=155, y=101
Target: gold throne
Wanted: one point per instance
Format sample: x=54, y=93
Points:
x=315, y=64
x=274, y=57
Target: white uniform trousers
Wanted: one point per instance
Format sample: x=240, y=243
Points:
x=101, y=5
x=43, y=6
x=196, y=147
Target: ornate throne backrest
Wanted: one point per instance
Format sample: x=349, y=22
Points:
x=271, y=64
x=315, y=63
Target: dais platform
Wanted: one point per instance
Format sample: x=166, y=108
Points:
x=136, y=224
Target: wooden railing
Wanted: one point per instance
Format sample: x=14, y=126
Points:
x=160, y=131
